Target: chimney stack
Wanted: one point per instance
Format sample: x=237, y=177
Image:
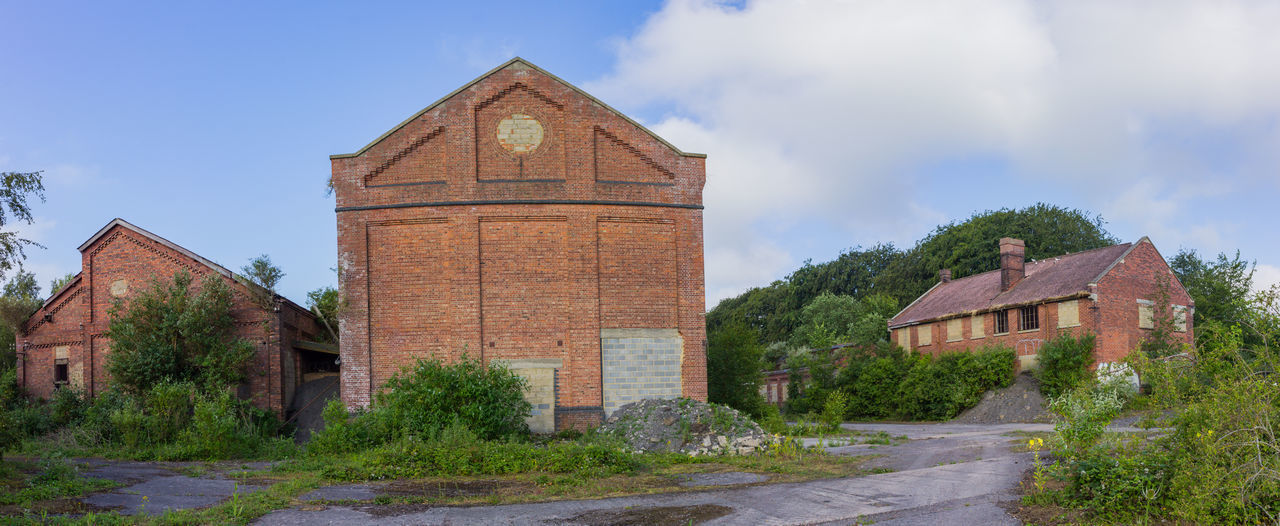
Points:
x=944, y=275
x=1012, y=262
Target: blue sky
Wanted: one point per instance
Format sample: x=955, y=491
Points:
x=827, y=125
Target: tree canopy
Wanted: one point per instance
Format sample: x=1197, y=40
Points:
x=967, y=247
x=326, y=303
x=15, y=188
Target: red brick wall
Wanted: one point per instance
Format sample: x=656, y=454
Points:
x=1135, y=277
x=80, y=318
x=1024, y=342
x=613, y=239
x=1113, y=316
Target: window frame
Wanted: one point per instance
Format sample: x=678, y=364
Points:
x=1029, y=318
x=61, y=372
x=1002, y=322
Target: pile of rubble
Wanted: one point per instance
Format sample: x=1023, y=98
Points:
x=1020, y=402
x=685, y=426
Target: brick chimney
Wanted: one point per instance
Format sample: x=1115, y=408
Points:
x=944, y=275
x=1012, y=262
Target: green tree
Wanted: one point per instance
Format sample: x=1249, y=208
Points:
x=970, y=247
x=21, y=297
x=174, y=331
x=15, y=188
x=1220, y=288
x=58, y=283
x=263, y=273
x=825, y=321
x=326, y=303
x=735, y=364
x=872, y=324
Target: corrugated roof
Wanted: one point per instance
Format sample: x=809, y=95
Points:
x=1058, y=277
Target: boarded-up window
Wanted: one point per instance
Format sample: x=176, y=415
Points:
x=1146, y=316
x=976, y=327
x=1069, y=313
x=904, y=338
x=1179, y=318
x=954, y=330
x=924, y=334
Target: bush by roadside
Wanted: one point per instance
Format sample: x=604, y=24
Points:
x=1064, y=363
x=886, y=382
x=423, y=400
x=1217, y=462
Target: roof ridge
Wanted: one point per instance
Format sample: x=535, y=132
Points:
x=224, y=271
x=487, y=74
x=1039, y=260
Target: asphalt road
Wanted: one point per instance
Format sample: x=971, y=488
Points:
x=945, y=474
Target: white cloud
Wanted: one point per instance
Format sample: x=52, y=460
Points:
x=826, y=111
x=1265, y=277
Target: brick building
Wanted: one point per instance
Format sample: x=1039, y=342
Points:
x=63, y=343
x=1107, y=291
x=520, y=219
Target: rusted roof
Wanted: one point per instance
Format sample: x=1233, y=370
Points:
x=1058, y=277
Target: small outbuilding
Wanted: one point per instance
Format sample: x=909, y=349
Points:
x=63, y=344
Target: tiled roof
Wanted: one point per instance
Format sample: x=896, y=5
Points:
x=1048, y=278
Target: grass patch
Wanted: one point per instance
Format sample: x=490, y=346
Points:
x=26, y=484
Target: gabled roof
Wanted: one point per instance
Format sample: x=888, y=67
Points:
x=521, y=62
x=175, y=247
x=1059, y=277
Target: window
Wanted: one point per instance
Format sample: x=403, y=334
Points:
x=1179, y=318
x=1029, y=318
x=1002, y=321
x=1069, y=313
x=976, y=328
x=904, y=338
x=924, y=335
x=954, y=328
x=60, y=372
x=1146, y=315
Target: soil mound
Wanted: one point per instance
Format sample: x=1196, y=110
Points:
x=1020, y=403
x=685, y=426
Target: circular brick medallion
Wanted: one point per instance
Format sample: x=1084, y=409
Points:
x=520, y=133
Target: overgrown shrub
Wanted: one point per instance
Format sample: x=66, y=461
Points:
x=342, y=433
x=424, y=399
x=1217, y=461
x=67, y=407
x=873, y=388
x=486, y=398
x=1082, y=415
x=171, y=405
x=1064, y=363
x=833, y=410
x=175, y=331
x=940, y=388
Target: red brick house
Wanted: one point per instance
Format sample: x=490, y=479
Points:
x=1107, y=291
x=521, y=220
x=63, y=343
